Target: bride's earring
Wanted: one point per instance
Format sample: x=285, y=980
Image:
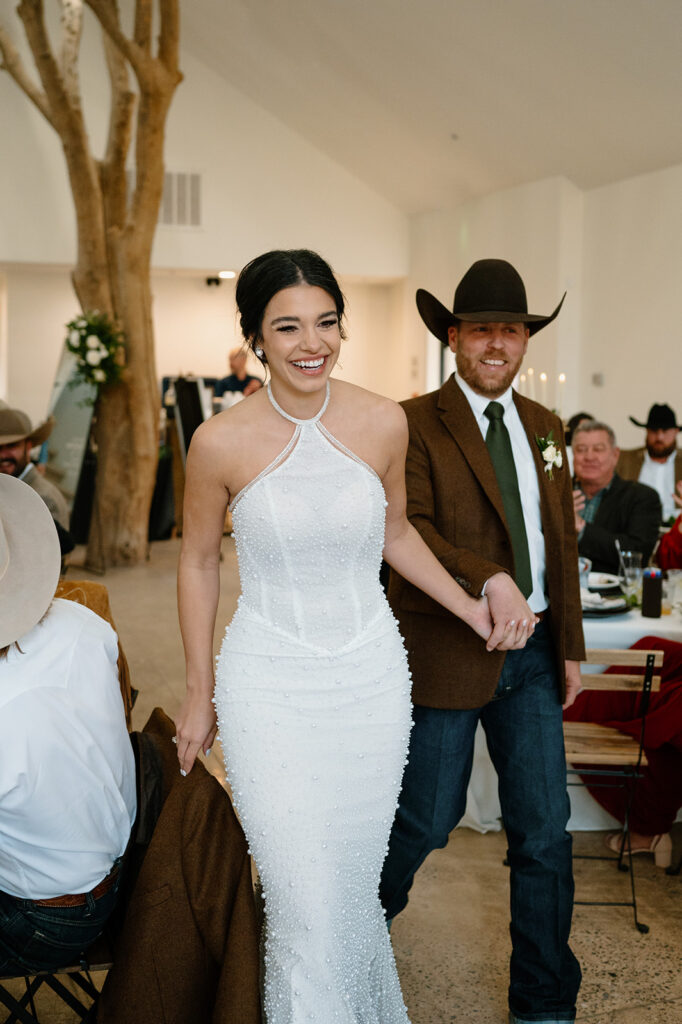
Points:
x=258, y=351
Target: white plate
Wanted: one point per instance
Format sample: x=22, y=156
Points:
x=602, y=580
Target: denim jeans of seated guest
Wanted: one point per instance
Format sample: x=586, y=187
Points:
x=524, y=734
x=34, y=938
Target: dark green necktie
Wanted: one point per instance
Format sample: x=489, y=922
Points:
x=499, y=445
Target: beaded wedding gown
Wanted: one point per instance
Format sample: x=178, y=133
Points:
x=312, y=693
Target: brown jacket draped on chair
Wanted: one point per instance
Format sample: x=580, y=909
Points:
x=188, y=948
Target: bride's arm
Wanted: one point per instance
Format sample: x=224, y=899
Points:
x=204, y=508
x=406, y=552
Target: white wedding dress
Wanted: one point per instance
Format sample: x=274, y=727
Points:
x=312, y=693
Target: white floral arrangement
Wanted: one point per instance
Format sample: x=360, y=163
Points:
x=98, y=347
x=551, y=453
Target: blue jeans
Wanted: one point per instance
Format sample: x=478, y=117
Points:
x=524, y=734
x=34, y=938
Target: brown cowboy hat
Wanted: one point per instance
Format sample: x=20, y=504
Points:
x=16, y=426
x=491, y=291
x=661, y=417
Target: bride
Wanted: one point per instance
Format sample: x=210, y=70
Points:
x=312, y=685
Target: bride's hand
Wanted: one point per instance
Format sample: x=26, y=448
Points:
x=195, y=729
x=480, y=619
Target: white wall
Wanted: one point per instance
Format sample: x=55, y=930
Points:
x=632, y=327
x=264, y=186
x=538, y=228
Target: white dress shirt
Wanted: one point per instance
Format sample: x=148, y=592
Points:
x=67, y=771
x=529, y=489
x=661, y=476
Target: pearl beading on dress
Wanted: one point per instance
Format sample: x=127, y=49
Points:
x=312, y=692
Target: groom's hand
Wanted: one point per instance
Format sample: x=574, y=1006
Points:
x=513, y=621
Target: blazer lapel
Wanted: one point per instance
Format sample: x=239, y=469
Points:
x=460, y=422
x=551, y=512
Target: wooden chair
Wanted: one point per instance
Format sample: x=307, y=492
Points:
x=612, y=756
x=81, y=996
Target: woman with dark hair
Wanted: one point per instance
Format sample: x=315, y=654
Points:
x=312, y=686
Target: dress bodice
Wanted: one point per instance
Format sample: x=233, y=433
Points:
x=309, y=531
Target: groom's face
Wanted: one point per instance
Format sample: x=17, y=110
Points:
x=488, y=356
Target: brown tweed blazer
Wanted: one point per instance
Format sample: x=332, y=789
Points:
x=454, y=502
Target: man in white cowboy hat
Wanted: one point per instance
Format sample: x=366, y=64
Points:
x=489, y=491
x=67, y=772
x=17, y=438
x=659, y=463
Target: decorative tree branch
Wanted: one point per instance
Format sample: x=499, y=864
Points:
x=71, y=29
x=115, y=234
x=106, y=13
x=169, y=38
x=12, y=63
x=143, y=25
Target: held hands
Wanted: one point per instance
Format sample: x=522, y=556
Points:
x=195, y=728
x=512, y=620
x=578, y=505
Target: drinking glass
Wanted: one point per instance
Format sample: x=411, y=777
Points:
x=674, y=582
x=631, y=576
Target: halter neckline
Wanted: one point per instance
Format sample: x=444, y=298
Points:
x=292, y=419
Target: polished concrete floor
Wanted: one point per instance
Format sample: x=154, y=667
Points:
x=452, y=942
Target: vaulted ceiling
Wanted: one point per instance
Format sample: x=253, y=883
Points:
x=432, y=102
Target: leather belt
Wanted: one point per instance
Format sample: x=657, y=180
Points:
x=80, y=899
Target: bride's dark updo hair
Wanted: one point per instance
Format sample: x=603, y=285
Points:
x=270, y=273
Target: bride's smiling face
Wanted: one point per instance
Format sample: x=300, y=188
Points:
x=300, y=336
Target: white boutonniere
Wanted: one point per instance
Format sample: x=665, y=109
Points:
x=551, y=454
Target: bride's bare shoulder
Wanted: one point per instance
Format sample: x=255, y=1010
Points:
x=227, y=431
x=367, y=405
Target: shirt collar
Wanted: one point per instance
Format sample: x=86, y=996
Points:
x=479, y=403
x=651, y=462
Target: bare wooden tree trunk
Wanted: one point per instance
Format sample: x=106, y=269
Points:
x=115, y=234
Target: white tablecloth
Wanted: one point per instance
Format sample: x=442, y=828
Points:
x=621, y=631
x=483, y=805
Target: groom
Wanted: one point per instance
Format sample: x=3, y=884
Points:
x=489, y=490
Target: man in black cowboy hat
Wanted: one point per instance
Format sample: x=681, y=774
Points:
x=488, y=489
x=659, y=463
x=17, y=438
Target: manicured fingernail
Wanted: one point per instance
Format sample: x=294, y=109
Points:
x=513, y=622
x=524, y=622
x=183, y=772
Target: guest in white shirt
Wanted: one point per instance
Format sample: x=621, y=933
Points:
x=659, y=463
x=67, y=772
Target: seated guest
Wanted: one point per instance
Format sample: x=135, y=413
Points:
x=17, y=438
x=658, y=795
x=606, y=507
x=669, y=553
x=571, y=424
x=67, y=772
x=659, y=464
x=238, y=379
